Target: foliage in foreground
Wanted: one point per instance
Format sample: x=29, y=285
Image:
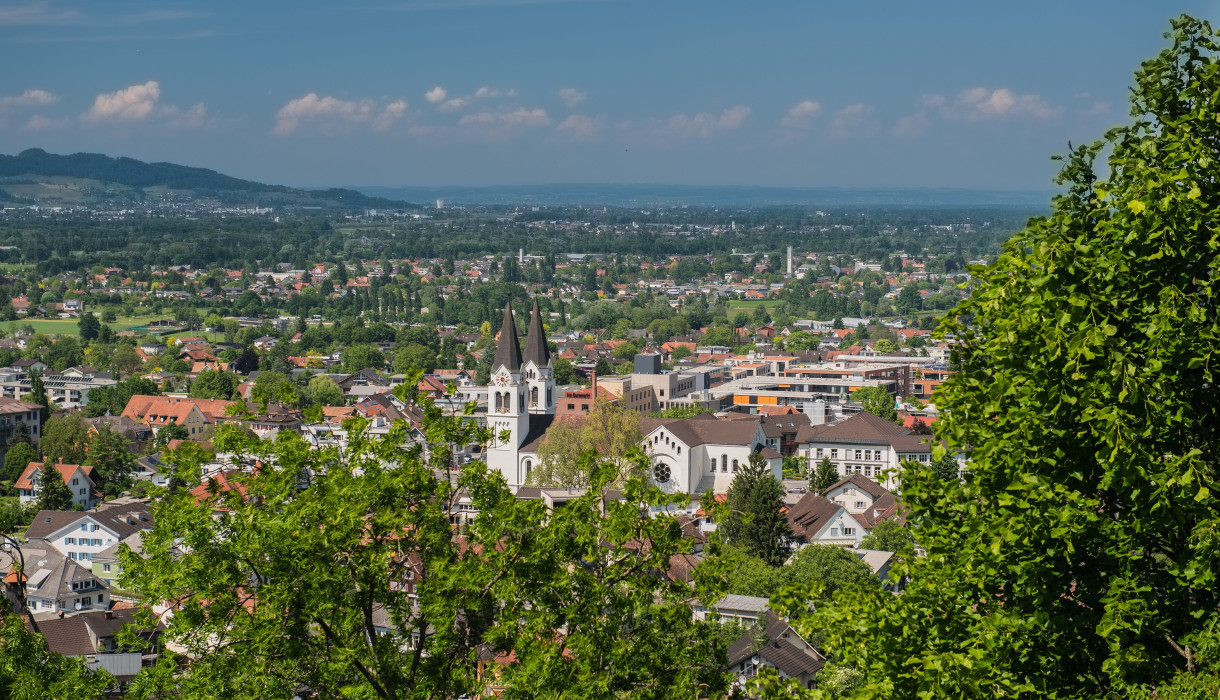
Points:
x=1080, y=557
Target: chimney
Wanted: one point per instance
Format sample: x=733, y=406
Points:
x=789, y=261
x=594, y=394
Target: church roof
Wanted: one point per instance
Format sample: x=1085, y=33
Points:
x=508, y=351
x=535, y=342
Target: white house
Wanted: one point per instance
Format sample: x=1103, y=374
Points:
x=694, y=455
x=56, y=584
x=816, y=520
x=81, y=536
x=77, y=477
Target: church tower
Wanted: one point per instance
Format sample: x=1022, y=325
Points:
x=506, y=404
x=538, y=370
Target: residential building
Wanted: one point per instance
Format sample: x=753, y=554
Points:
x=56, y=584
x=80, y=536
x=77, y=477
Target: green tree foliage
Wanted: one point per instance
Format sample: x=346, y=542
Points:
x=754, y=522
x=53, y=493
x=323, y=391
x=877, y=401
x=825, y=476
x=65, y=439
x=945, y=467
x=214, y=384
x=111, y=461
x=814, y=568
x=88, y=327
x=173, y=431
x=65, y=353
x=29, y=670
x=679, y=412
x=368, y=593
x=17, y=458
x=38, y=392
x=360, y=357
x=413, y=357
x=112, y=400
x=246, y=362
x=607, y=430
x=1079, y=558
x=888, y=536
x=565, y=372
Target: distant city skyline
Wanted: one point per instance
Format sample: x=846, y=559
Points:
x=507, y=92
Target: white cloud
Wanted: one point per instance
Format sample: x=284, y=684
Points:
x=912, y=124
x=509, y=119
x=801, y=115
x=578, y=127
x=28, y=98
x=854, y=119
x=705, y=124
x=455, y=103
x=330, y=114
x=189, y=119
x=133, y=103
x=41, y=123
x=436, y=94
x=572, y=97
x=980, y=103
x=487, y=92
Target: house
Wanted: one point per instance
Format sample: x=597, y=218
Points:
x=694, y=455
x=94, y=636
x=78, y=478
x=150, y=468
x=864, y=444
x=196, y=415
x=56, y=584
x=745, y=608
x=773, y=643
x=816, y=520
x=79, y=536
x=17, y=417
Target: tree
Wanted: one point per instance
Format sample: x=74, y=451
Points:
x=214, y=384
x=53, y=493
x=825, y=566
x=884, y=345
x=603, y=368
x=125, y=360
x=827, y=475
x=877, y=401
x=246, y=362
x=680, y=353
x=65, y=353
x=360, y=357
x=65, y=439
x=88, y=327
x=17, y=458
x=945, y=467
x=38, y=392
x=754, y=522
x=888, y=536
x=565, y=372
x=1078, y=560
x=568, y=595
x=112, y=400
x=608, y=430
x=111, y=460
x=323, y=391
x=415, y=356
x=170, y=432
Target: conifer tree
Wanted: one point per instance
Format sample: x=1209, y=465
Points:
x=53, y=493
x=754, y=522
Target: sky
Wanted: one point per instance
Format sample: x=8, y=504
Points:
x=805, y=93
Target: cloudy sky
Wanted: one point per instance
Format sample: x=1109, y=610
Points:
x=472, y=92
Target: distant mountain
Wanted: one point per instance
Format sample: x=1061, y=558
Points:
x=37, y=177
x=578, y=194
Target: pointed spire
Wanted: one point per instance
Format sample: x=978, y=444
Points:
x=508, y=352
x=535, y=342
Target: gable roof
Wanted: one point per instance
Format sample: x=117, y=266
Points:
x=863, y=483
x=777, y=651
x=704, y=430
x=163, y=410
x=121, y=520
x=810, y=515
x=26, y=480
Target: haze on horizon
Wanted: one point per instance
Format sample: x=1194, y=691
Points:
x=506, y=92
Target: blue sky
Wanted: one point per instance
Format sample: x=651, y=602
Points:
x=472, y=92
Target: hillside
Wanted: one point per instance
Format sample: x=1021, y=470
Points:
x=84, y=179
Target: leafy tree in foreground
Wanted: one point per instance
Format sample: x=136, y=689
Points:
x=365, y=591
x=888, y=536
x=29, y=670
x=1080, y=558
x=173, y=431
x=608, y=430
x=754, y=522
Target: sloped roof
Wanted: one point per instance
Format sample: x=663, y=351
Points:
x=536, y=349
x=779, y=652
x=26, y=480
x=810, y=514
x=704, y=429
x=121, y=520
x=508, y=350
x=68, y=636
x=863, y=483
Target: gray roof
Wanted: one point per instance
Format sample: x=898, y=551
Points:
x=51, y=574
x=810, y=514
x=748, y=603
x=704, y=429
x=777, y=651
x=508, y=351
x=121, y=519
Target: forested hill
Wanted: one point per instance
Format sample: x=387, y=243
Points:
x=24, y=177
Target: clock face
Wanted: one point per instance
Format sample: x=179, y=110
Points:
x=501, y=380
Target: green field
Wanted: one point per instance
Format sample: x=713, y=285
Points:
x=743, y=305
x=68, y=326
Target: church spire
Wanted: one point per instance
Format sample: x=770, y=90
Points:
x=535, y=343
x=508, y=352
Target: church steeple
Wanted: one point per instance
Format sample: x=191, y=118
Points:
x=508, y=351
x=536, y=349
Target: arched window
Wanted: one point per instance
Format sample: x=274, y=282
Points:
x=534, y=396
x=499, y=402
x=724, y=463
x=529, y=464
x=734, y=466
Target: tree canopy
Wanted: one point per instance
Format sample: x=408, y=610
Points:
x=754, y=522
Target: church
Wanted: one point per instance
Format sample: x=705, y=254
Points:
x=690, y=455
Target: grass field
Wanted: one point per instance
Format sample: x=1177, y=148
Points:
x=742, y=305
x=68, y=326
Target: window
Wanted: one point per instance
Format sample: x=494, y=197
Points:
x=84, y=528
x=834, y=454
x=534, y=396
x=734, y=466
x=859, y=504
x=849, y=531
x=105, y=567
x=529, y=464
x=76, y=482
x=858, y=454
x=819, y=453
x=571, y=407
x=834, y=532
x=99, y=597
x=69, y=540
